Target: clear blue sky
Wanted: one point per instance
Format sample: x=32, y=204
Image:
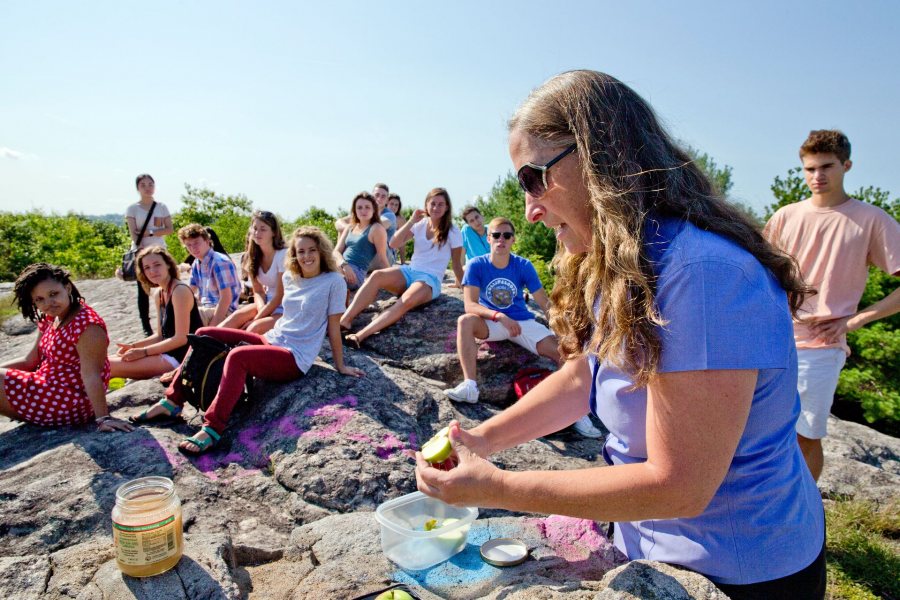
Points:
x=300, y=105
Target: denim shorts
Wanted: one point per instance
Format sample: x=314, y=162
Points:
x=412, y=276
x=360, y=276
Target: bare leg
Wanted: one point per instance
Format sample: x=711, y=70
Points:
x=418, y=293
x=240, y=317
x=468, y=328
x=142, y=368
x=391, y=280
x=812, y=452
x=549, y=347
x=6, y=408
x=263, y=325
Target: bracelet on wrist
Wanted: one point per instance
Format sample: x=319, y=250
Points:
x=495, y=315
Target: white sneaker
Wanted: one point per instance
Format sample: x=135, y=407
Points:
x=463, y=393
x=586, y=428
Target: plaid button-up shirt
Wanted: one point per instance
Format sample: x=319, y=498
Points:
x=212, y=274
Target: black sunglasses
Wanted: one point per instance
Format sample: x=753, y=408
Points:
x=533, y=178
x=506, y=235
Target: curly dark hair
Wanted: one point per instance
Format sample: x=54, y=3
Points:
x=35, y=274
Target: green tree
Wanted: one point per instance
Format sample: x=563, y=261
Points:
x=318, y=217
x=87, y=248
x=871, y=377
x=228, y=215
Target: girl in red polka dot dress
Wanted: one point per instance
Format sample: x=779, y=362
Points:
x=63, y=379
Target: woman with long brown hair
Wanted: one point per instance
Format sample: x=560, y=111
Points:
x=263, y=262
x=436, y=241
x=363, y=243
x=178, y=316
x=674, y=318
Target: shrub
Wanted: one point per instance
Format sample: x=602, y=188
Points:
x=87, y=248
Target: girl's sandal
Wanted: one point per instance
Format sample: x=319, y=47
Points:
x=202, y=445
x=166, y=417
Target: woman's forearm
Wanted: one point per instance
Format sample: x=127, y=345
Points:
x=634, y=492
x=96, y=393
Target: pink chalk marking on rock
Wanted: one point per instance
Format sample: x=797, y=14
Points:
x=247, y=438
x=336, y=410
x=349, y=400
x=450, y=343
x=413, y=442
x=389, y=446
x=360, y=437
x=571, y=539
x=287, y=426
x=207, y=464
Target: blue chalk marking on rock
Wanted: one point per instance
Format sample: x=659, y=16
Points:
x=464, y=568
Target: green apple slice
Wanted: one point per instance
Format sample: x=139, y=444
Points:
x=437, y=449
x=394, y=595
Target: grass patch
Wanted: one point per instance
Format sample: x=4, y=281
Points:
x=8, y=307
x=863, y=552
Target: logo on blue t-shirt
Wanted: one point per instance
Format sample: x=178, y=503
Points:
x=502, y=292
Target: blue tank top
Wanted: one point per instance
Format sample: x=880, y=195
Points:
x=359, y=251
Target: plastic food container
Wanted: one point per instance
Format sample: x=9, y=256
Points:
x=403, y=536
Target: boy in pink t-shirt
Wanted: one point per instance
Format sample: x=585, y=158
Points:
x=834, y=239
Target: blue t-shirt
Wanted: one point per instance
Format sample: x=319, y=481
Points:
x=475, y=245
x=724, y=310
x=388, y=214
x=502, y=289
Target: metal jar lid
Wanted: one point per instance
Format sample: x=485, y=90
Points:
x=504, y=552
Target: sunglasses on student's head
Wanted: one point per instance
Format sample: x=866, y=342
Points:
x=533, y=178
x=507, y=235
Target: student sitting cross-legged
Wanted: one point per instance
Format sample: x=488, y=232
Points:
x=495, y=310
x=314, y=296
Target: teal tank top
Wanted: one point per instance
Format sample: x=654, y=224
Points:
x=360, y=251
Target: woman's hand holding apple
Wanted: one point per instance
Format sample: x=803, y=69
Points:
x=472, y=482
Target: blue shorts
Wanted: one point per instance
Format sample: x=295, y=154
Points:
x=360, y=276
x=412, y=276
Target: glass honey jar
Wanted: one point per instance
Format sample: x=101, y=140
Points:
x=147, y=526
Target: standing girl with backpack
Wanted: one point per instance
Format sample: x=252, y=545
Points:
x=314, y=296
x=263, y=262
x=153, y=219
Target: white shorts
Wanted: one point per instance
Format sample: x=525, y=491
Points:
x=818, y=371
x=173, y=362
x=532, y=333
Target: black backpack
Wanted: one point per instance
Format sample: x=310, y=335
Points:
x=201, y=371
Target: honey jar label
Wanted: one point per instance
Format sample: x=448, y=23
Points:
x=145, y=544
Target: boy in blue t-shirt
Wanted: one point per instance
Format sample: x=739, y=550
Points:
x=493, y=291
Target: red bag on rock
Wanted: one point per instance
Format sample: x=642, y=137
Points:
x=527, y=378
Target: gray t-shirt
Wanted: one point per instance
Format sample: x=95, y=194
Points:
x=307, y=305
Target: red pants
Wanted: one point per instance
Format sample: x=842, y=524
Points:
x=261, y=359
